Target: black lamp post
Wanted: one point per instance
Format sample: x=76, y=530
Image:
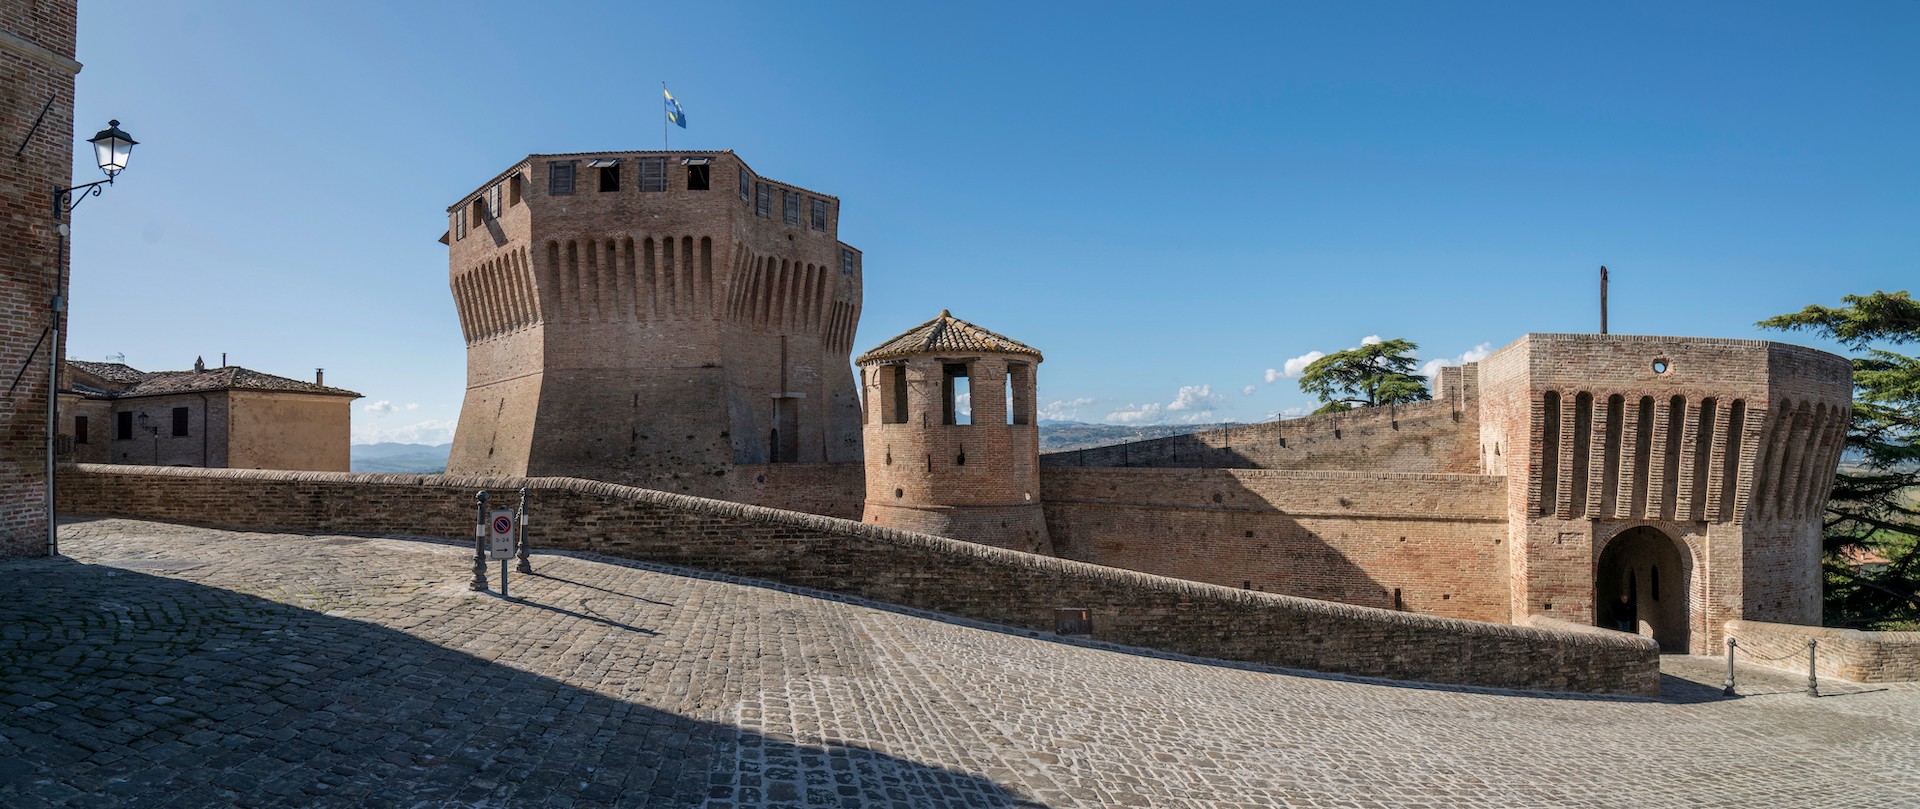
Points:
x=111, y=148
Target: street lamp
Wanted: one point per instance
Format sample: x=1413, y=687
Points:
x=111, y=148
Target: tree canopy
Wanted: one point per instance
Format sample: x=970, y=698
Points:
x=1368, y=376
x=1875, y=504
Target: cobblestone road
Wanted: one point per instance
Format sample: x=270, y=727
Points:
x=170, y=666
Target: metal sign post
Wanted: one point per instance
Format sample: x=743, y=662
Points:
x=501, y=530
x=479, y=582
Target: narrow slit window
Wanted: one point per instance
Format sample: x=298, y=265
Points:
x=653, y=173
x=1019, y=393
x=123, y=425
x=180, y=421
x=958, y=394
x=820, y=215
x=460, y=224
x=560, y=178
x=763, y=200
x=493, y=201
x=513, y=190
x=893, y=380
x=846, y=261
x=791, y=210
x=746, y=190
x=79, y=429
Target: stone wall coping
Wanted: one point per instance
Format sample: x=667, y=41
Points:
x=1280, y=474
x=1569, y=627
x=1771, y=345
x=1031, y=562
x=1824, y=632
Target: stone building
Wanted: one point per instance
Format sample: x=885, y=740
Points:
x=1551, y=478
x=229, y=417
x=36, y=111
x=652, y=318
x=953, y=440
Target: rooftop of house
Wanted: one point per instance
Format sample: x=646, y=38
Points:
x=116, y=380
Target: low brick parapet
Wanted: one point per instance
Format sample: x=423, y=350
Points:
x=917, y=570
x=1844, y=654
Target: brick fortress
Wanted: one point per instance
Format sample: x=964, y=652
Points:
x=673, y=320
x=652, y=318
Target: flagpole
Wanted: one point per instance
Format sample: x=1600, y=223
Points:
x=663, y=118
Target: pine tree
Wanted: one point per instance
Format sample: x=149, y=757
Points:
x=1876, y=496
x=1368, y=376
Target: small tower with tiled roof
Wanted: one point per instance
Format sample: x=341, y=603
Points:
x=952, y=442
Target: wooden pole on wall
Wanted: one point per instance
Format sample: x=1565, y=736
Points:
x=1603, y=299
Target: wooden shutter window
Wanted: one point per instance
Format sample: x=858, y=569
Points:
x=653, y=173
x=763, y=200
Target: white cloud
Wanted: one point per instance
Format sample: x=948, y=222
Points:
x=1371, y=339
x=1065, y=410
x=1135, y=415
x=1477, y=353
x=1297, y=365
x=1193, y=397
x=379, y=408
x=413, y=406
x=1288, y=413
x=431, y=431
x=1248, y=390
x=1274, y=375
x=963, y=403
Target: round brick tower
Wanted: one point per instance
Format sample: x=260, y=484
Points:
x=952, y=443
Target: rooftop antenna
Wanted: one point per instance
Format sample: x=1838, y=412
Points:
x=1603, y=299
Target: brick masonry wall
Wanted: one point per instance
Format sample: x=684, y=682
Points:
x=917, y=570
x=36, y=63
x=1353, y=537
x=827, y=489
x=639, y=336
x=1846, y=654
x=1435, y=436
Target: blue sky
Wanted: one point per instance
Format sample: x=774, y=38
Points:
x=1171, y=201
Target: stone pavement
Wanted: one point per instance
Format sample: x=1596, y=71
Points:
x=162, y=665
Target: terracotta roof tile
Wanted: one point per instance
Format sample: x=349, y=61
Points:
x=947, y=334
x=232, y=377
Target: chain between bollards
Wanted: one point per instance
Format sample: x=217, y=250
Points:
x=525, y=566
x=479, y=582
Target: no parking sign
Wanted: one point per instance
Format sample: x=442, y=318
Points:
x=500, y=534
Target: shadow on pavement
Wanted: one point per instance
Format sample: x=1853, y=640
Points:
x=126, y=689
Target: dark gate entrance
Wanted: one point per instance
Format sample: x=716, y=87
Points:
x=1648, y=567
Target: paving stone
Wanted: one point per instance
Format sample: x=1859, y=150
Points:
x=313, y=673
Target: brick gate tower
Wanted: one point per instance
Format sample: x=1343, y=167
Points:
x=653, y=319
x=953, y=446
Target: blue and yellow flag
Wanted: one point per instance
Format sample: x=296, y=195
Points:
x=675, y=115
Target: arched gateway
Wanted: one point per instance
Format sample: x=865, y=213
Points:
x=1654, y=571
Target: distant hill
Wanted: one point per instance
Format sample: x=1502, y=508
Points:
x=401, y=458
x=1060, y=436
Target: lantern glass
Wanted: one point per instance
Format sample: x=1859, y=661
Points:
x=111, y=147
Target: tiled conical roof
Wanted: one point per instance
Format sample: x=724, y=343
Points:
x=947, y=334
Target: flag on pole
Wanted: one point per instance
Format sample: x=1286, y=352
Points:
x=675, y=115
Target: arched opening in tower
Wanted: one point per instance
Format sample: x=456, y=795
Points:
x=1641, y=585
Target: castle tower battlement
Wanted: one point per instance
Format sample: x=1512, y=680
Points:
x=952, y=438
x=651, y=318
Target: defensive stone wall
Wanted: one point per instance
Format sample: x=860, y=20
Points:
x=1846, y=654
x=976, y=581
x=829, y=489
x=1424, y=543
x=1436, y=436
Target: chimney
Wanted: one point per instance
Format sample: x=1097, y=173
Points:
x=223, y=359
x=199, y=364
x=319, y=376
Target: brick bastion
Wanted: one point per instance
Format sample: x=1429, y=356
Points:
x=917, y=570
